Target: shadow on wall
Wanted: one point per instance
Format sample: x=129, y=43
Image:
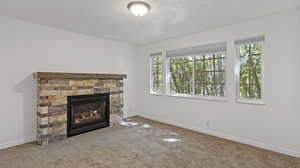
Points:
x=27, y=88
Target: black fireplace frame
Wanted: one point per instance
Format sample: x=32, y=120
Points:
x=73, y=130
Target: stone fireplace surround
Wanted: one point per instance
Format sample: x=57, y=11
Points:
x=53, y=90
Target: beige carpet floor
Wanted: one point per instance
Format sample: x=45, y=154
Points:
x=146, y=145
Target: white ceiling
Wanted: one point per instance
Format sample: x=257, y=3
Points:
x=167, y=18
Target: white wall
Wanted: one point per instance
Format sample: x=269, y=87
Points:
x=26, y=48
x=273, y=126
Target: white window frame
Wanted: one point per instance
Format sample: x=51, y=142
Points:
x=151, y=74
x=193, y=95
x=237, y=75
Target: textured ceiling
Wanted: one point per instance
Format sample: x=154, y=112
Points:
x=167, y=18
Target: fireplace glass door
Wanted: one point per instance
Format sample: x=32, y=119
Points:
x=87, y=112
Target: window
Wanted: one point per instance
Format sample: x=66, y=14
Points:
x=250, y=68
x=210, y=74
x=156, y=73
x=181, y=71
x=197, y=71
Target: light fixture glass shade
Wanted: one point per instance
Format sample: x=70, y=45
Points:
x=138, y=8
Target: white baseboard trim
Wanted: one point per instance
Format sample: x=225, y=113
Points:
x=15, y=143
x=228, y=137
x=128, y=116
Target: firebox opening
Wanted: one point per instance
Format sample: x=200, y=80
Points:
x=87, y=112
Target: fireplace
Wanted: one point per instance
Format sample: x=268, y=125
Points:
x=87, y=112
x=59, y=92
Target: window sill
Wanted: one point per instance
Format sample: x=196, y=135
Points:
x=249, y=101
x=155, y=94
x=210, y=98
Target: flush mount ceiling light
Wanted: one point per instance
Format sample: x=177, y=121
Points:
x=138, y=8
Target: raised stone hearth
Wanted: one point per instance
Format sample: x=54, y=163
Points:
x=53, y=91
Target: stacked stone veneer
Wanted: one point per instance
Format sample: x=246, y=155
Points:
x=52, y=103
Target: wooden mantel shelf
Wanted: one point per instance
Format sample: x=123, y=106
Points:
x=63, y=75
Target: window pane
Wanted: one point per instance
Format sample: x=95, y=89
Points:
x=210, y=74
x=250, y=70
x=220, y=90
x=220, y=64
x=156, y=73
x=181, y=71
